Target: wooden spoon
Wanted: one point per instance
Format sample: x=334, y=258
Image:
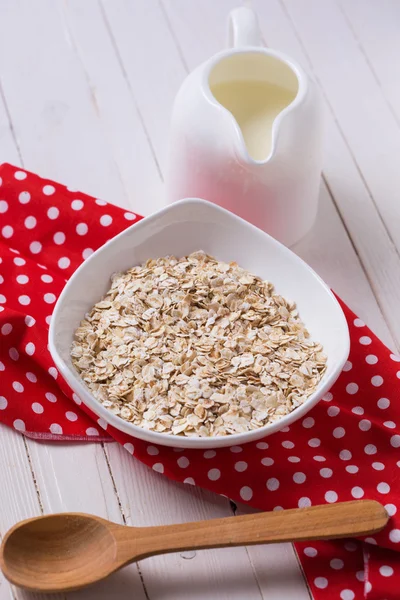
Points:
x=65, y=552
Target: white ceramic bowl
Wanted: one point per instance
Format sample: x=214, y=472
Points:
x=179, y=229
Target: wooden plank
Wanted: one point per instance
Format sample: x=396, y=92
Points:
x=368, y=125
x=150, y=499
x=113, y=95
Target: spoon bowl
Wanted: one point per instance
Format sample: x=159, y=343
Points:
x=65, y=552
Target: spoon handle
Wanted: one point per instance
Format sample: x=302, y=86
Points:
x=346, y=519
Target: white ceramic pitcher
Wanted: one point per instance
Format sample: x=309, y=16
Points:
x=256, y=150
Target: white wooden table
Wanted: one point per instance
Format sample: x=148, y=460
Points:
x=86, y=93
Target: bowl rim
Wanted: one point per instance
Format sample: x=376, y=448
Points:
x=166, y=439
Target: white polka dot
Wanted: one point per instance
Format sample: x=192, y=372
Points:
x=105, y=220
x=19, y=425
x=394, y=536
x=288, y=444
x=321, y=582
x=391, y=509
x=246, y=493
x=370, y=449
x=2, y=367
x=273, y=484
x=30, y=348
x=348, y=366
x=64, y=262
x=359, y=323
x=352, y=469
x=390, y=424
x=152, y=450
x=159, y=467
x=48, y=190
x=308, y=422
x=386, y=571
x=293, y=459
x=3, y=206
x=350, y=546
x=3, y=403
x=189, y=480
x=333, y=411
x=378, y=466
x=267, y=461
x=51, y=397
x=37, y=408
x=336, y=564
x=365, y=340
x=29, y=321
x=310, y=551
x=214, y=474
x=56, y=428
x=377, y=380
x=395, y=358
x=46, y=278
x=24, y=300
x=13, y=353
x=71, y=416
x=129, y=216
x=347, y=595
x=364, y=425
x=338, y=432
x=49, y=298
x=22, y=279
x=59, y=238
x=326, y=473
x=367, y=587
x=183, y=462
x=209, y=454
x=314, y=442
x=383, y=403
x=2, y=299
x=103, y=424
x=331, y=496
x=6, y=328
x=18, y=387
x=304, y=502
x=345, y=455
x=92, y=431
x=30, y=222
x=395, y=441
x=7, y=231
x=100, y=202
x=20, y=175
x=76, y=204
x=19, y=261
x=319, y=458
x=357, y=492
x=236, y=449
x=358, y=410
x=299, y=477
x=82, y=229
x=241, y=466
x=24, y=197
x=371, y=359
x=328, y=397
x=87, y=252
x=352, y=388
x=35, y=247
x=383, y=487
x=128, y=446
x=48, y=319
x=76, y=399
x=262, y=445
x=53, y=212
x=360, y=575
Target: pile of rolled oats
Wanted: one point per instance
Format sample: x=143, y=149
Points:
x=196, y=347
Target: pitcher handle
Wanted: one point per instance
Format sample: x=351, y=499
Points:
x=243, y=28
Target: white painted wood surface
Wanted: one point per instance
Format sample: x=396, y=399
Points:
x=86, y=93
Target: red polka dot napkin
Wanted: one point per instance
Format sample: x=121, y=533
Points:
x=347, y=447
